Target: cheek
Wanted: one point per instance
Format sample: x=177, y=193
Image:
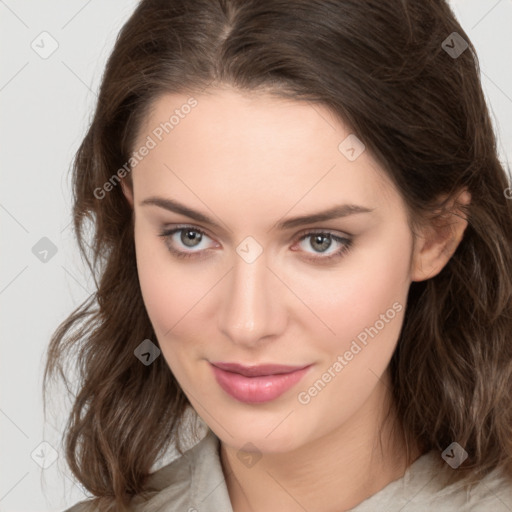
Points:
x=169, y=296
x=175, y=295
x=364, y=304
x=364, y=298
x=166, y=291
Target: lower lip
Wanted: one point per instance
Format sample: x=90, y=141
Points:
x=254, y=390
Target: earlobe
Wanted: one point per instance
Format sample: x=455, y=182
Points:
x=437, y=244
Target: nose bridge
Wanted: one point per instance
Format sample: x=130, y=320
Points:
x=250, y=308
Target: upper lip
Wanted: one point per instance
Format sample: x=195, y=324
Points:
x=259, y=370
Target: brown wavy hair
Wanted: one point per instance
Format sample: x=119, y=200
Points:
x=382, y=69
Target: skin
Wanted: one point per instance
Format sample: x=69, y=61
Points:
x=249, y=161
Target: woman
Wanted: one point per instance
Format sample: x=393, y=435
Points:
x=302, y=236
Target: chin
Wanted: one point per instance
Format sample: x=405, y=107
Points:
x=265, y=440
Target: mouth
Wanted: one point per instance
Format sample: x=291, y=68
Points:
x=259, y=370
x=257, y=384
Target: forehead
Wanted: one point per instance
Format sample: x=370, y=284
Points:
x=258, y=147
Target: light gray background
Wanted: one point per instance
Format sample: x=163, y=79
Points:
x=46, y=104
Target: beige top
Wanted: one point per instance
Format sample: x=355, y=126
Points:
x=195, y=482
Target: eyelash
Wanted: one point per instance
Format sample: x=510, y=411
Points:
x=346, y=244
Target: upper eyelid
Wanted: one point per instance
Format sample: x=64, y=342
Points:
x=342, y=234
x=299, y=236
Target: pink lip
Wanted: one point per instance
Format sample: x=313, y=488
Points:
x=257, y=384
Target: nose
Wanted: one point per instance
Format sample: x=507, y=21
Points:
x=252, y=311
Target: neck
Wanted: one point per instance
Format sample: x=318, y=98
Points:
x=331, y=473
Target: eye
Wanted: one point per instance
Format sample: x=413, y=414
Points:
x=190, y=237
x=322, y=241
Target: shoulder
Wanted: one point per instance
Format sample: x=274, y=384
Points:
x=83, y=506
x=424, y=487
x=192, y=481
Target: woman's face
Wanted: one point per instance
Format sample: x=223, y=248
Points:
x=248, y=286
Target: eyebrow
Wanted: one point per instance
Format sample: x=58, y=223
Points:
x=343, y=210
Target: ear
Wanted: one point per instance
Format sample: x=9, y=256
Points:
x=128, y=191
x=438, y=241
